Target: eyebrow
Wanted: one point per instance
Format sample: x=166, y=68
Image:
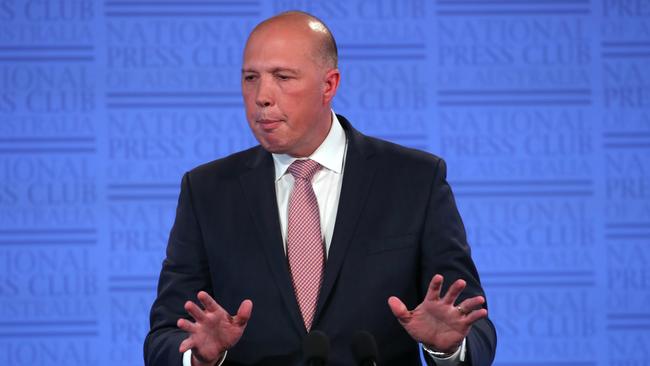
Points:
x=273, y=70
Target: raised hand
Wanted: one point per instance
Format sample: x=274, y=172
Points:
x=214, y=330
x=437, y=322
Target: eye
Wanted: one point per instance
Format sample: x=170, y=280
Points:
x=283, y=77
x=250, y=77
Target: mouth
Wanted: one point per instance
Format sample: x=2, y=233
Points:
x=269, y=124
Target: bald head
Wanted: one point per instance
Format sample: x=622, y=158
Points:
x=289, y=78
x=324, y=49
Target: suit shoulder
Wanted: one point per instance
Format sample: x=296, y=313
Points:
x=227, y=167
x=397, y=154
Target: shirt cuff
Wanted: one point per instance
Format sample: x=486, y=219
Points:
x=454, y=359
x=187, y=358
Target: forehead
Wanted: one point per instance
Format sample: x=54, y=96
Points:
x=279, y=47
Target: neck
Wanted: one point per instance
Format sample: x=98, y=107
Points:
x=311, y=146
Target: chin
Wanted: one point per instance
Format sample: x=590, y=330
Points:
x=273, y=148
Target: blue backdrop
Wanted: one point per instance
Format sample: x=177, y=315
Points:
x=541, y=109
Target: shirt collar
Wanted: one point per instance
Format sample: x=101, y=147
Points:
x=329, y=154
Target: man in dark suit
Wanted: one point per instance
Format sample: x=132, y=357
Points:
x=320, y=227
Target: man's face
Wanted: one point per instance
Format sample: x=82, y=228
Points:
x=286, y=91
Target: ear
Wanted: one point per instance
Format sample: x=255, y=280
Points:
x=331, y=85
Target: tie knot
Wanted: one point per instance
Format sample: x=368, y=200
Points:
x=304, y=169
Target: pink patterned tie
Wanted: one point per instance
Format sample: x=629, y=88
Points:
x=305, y=249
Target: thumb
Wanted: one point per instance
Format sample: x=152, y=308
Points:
x=399, y=309
x=244, y=312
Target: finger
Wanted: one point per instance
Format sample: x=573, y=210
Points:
x=471, y=304
x=195, y=311
x=187, y=344
x=454, y=290
x=399, y=309
x=208, y=302
x=244, y=312
x=186, y=325
x=476, y=315
x=433, y=293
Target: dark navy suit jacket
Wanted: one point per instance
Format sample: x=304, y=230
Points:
x=397, y=225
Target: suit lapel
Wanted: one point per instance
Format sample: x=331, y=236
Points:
x=357, y=177
x=259, y=189
x=258, y=184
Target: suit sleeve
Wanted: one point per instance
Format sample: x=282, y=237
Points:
x=184, y=273
x=445, y=251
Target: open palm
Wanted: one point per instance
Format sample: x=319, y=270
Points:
x=436, y=322
x=214, y=330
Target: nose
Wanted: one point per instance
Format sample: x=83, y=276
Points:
x=264, y=95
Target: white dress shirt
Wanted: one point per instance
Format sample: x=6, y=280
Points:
x=327, y=187
x=326, y=182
